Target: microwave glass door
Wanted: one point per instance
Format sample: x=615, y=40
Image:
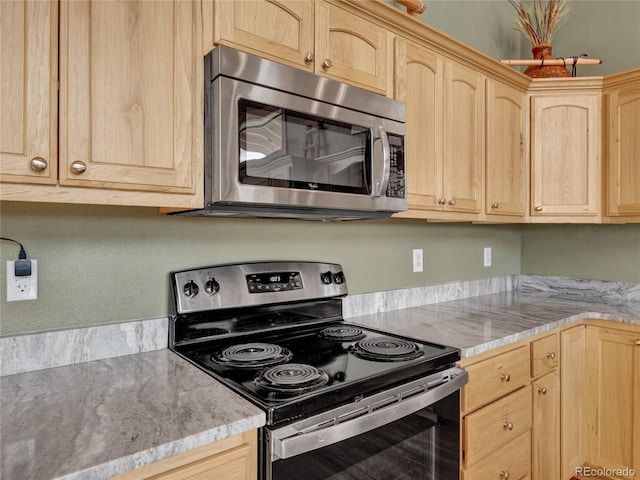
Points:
x=279, y=147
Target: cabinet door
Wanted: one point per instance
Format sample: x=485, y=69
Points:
x=490, y=428
x=129, y=105
x=234, y=458
x=572, y=377
x=565, y=163
x=350, y=49
x=623, y=183
x=28, y=91
x=463, y=138
x=418, y=83
x=505, y=168
x=545, y=444
x=279, y=29
x=613, y=412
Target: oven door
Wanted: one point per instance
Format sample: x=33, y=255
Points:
x=409, y=432
x=270, y=147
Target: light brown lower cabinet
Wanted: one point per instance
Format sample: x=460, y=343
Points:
x=612, y=413
x=496, y=416
x=581, y=398
x=234, y=458
x=545, y=433
x=509, y=463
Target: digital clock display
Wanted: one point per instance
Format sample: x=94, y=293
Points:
x=273, y=282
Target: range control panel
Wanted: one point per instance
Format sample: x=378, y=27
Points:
x=252, y=284
x=274, y=282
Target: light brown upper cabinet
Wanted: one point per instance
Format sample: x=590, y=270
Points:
x=622, y=101
x=28, y=92
x=566, y=158
x=445, y=128
x=419, y=77
x=463, y=138
x=129, y=102
x=505, y=181
x=282, y=30
x=319, y=37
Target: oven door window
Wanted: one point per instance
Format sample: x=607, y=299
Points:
x=424, y=445
x=285, y=148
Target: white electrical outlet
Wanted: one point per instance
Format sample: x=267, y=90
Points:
x=487, y=256
x=417, y=260
x=22, y=288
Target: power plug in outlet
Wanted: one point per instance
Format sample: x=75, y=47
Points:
x=417, y=260
x=24, y=287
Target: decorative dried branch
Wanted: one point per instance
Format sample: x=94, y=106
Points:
x=539, y=20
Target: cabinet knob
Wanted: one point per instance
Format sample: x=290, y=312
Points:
x=506, y=377
x=508, y=426
x=637, y=342
x=452, y=202
x=506, y=475
x=495, y=205
x=308, y=57
x=442, y=201
x=551, y=355
x=38, y=164
x=78, y=167
x=538, y=208
x=327, y=63
x=542, y=390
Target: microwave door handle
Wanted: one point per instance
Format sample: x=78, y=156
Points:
x=297, y=444
x=381, y=161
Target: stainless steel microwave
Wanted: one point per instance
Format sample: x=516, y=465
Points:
x=281, y=142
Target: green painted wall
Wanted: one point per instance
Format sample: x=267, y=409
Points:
x=484, y=25
x=110, y=264
x=600, y=252
x=605, y=29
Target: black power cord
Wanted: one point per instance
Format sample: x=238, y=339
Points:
x=22, y=265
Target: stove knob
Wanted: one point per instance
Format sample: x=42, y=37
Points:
x=326, y=278
x=190, y=289
x=338, y=278
x=211, y=287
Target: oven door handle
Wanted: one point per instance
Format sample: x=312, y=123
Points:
x=381, y=169
x=287, y=443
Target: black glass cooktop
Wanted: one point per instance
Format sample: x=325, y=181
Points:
x=299, y=370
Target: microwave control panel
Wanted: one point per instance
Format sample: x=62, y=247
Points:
x=397, y=185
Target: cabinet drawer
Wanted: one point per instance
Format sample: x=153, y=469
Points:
x=495, y=377
x=488, y=429
x=545, y=355
x=511, y=461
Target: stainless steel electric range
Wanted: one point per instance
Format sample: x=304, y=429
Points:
x=342, y=401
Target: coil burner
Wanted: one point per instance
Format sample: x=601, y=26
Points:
x=342, y=333
x=386, y=349
x=252, y=355
x=293, y=378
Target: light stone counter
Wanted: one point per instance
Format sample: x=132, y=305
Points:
x=97, y=419
x=93, y=420
x=479, y=324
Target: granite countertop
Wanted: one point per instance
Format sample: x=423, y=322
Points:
x=479, y=324
x=97, y=419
